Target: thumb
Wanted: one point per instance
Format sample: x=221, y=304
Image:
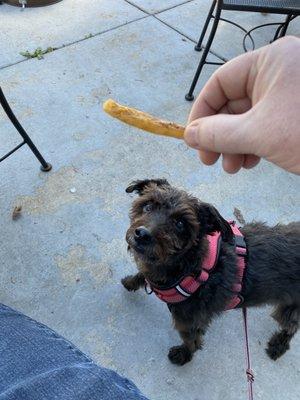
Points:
x=221, y=133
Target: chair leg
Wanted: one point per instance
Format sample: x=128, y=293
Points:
x=190, y=96
x=44, y=165
x=285, y=26
x=276, y=34
x=281, y=30
x=198, y=46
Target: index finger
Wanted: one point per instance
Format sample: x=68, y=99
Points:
x=229, y=82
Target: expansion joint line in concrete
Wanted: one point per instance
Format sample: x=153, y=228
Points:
x=155, y=15
x=80, y=40
x=147, y=14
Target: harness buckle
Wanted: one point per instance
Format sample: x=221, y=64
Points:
x=240, y=241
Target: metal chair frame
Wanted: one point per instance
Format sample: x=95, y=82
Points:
x=217, y=7
x=45, y=166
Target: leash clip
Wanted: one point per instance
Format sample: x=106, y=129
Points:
x=241, y=299
x=148, y=288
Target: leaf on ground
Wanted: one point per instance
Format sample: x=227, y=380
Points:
x=16, y=212
x=239, y=216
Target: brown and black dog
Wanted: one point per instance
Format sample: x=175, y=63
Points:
x=167, y=238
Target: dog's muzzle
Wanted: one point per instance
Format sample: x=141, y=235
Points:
x=142, y=236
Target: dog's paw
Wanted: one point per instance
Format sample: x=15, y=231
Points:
x=129, y=283
x=277, y=346
x=180, y=355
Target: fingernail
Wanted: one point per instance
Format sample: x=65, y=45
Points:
x=191, y=135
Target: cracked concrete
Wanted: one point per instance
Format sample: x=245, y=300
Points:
x=63, y=258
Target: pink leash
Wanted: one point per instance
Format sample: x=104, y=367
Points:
x=249, y=372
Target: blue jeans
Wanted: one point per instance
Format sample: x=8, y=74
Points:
x=38, y=364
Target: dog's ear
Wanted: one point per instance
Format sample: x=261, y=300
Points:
x=139, y=186
x=212, y=221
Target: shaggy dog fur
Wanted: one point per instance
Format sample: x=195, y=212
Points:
x=167, y=238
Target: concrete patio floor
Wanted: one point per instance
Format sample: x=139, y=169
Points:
x=62, y=260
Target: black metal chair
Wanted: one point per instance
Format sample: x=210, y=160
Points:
x=290, y=8
x=45, y=166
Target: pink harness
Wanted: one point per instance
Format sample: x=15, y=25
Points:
x=189, y=284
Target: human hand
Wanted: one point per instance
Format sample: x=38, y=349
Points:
x=250, y=108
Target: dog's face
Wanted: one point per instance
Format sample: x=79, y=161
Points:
x=166, y=223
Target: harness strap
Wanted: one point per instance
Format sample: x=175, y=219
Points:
x=241, y=251
x=187, y=285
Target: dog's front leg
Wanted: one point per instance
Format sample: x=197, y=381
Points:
x=192, y=341
x=133, y=282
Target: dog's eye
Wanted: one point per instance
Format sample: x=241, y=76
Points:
x=179, y=225
x=147, y=208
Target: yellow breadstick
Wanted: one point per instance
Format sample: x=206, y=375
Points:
x=142, y=120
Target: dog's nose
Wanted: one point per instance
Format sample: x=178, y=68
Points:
x=142, y=235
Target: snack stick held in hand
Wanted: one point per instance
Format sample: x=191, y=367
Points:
x=142, y=120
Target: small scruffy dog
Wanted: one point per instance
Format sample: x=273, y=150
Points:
x=168, y=239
